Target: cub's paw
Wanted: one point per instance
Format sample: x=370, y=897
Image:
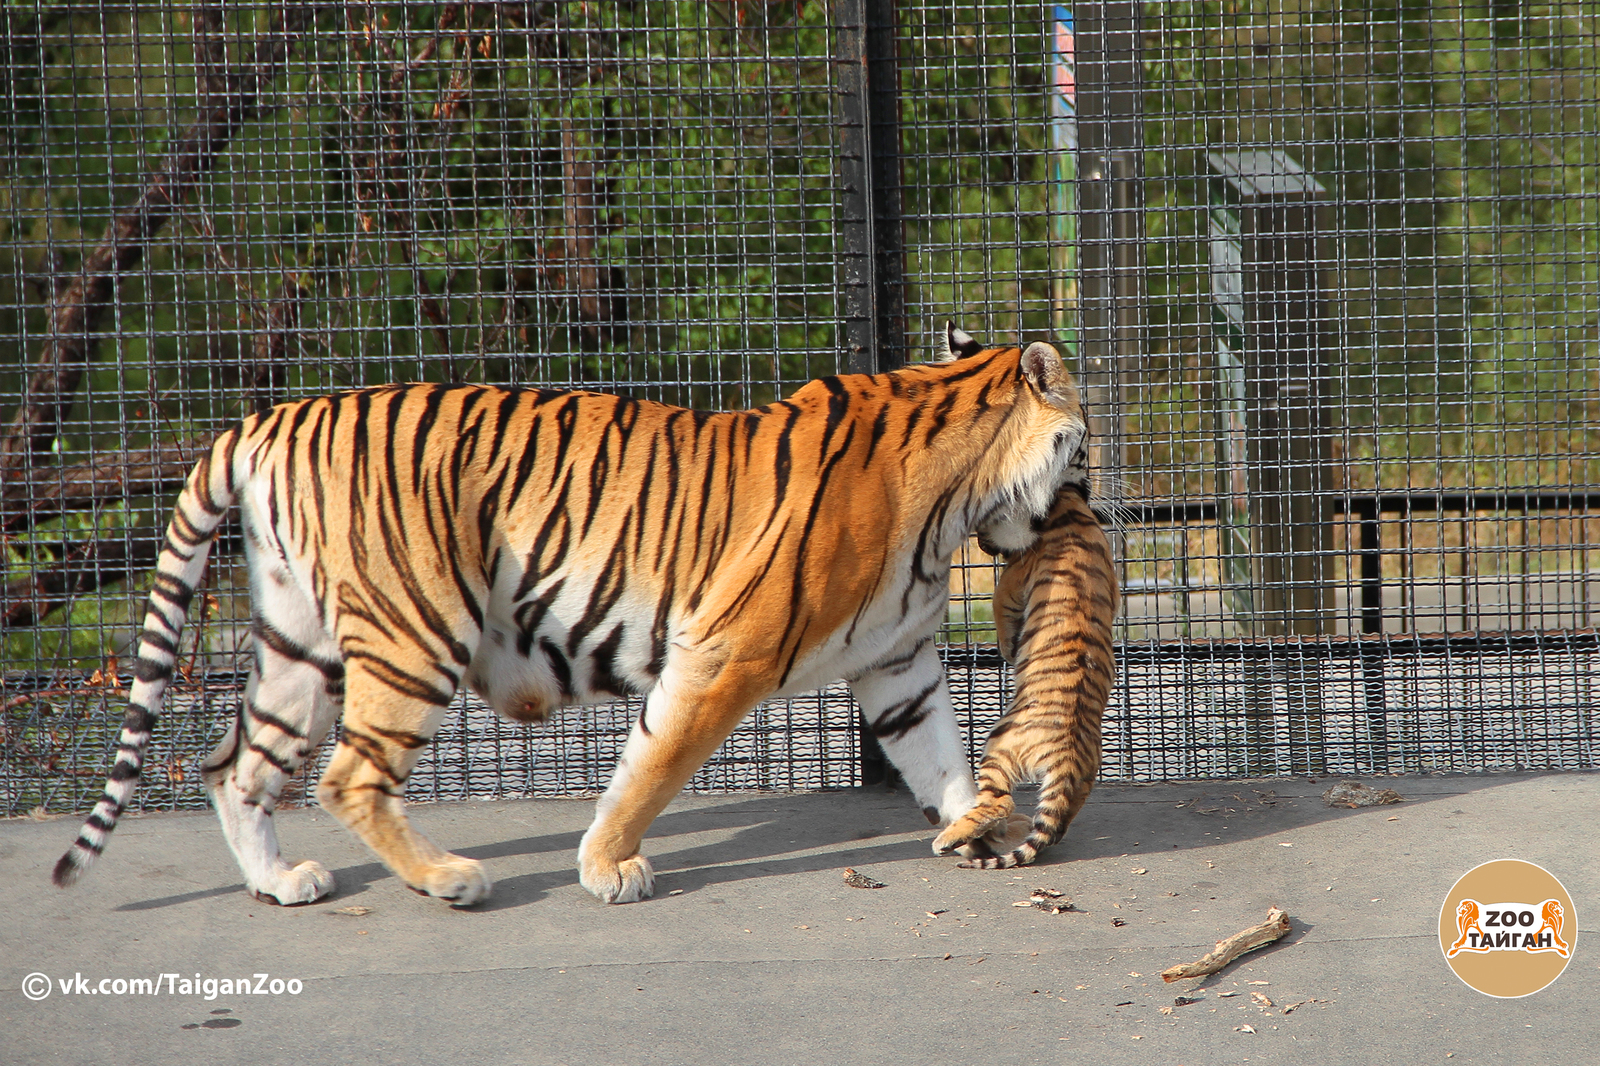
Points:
x=459, y=881
x=993, y=850
x=1013, y=832
x=628, y=881
x=305, y=883
x=980, y=823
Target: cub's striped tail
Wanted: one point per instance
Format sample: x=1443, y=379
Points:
x=201, y=506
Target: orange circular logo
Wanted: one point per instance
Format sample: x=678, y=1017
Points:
x=1508, y=928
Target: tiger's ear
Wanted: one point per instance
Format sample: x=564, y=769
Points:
x=1047, y=373
x=956, y=344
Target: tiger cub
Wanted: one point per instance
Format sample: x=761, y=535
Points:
x=551, y=549
x=1053, y=606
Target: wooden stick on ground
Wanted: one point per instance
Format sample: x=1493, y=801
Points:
x=1257, y=936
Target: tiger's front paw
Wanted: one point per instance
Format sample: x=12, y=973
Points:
x=305, y=883
x=628, y=881
x=459, y=881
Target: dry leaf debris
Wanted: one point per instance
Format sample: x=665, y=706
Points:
x=1352, y=794
x=1048, y=900
x=1301, y=1003
x=860, y=880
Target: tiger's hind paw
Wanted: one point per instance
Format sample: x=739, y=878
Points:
x=1002, y=850
x=457, y=880
x=305, y=883
x=628, y=881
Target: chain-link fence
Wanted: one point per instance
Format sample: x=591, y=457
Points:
x=1331, y=274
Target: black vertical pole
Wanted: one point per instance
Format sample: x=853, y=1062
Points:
x=1377, y=698
x=871, y=240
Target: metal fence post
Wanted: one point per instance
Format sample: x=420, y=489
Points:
x=871, y=239
x=1110, y=220
x=1110, y=229
x=1272, y=344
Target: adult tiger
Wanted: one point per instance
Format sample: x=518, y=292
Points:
x=556, y=548
x=1054, y=606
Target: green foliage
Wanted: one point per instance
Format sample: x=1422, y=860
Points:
x=77, y=636
x=1460, y=155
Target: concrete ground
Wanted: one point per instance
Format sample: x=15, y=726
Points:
x=755, y=951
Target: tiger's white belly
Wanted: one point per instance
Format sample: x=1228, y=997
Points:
x=526, y=675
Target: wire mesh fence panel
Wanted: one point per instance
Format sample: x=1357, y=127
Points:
x=1328, y=273
x=1370, y=377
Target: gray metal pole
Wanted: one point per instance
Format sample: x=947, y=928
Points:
x=1110, y=222
x=1273, y=346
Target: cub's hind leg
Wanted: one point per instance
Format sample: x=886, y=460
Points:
x=393, y=707
x=294, y=694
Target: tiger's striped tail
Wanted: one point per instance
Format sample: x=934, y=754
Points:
x=201, y=506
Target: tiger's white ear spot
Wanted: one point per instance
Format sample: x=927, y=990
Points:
x=956, y=344
x=1046, y=372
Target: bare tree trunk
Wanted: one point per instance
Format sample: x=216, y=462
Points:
x=600, y=303
x=210, y=55
x=270, y=364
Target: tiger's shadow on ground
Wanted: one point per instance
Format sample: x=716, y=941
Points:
x=756, y=824
x=1149, y=822
x=758, y=832
x=759, y=837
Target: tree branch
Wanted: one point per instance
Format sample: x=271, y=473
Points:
x=1273, y=927
x=77, y=312
x=26, y=601
x=87, y=567
x=56, y=491
x=269, y=373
